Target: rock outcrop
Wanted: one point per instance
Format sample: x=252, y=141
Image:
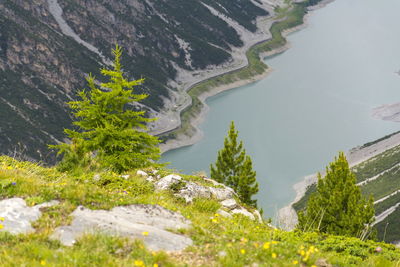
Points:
x=16, y=216
x=146, y=222
x=151, y=223
x=189, y=190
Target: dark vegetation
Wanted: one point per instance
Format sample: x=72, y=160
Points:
x=41, y=69
x=387, y=203
x=387, y=183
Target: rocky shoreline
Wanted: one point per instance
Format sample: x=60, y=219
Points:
x=172, y=120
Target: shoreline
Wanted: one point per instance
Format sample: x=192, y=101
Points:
x=287, y=216
x=183, y=139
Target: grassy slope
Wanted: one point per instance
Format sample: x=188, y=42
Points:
x=292, y=17
x=386, y=184
x=219, y=241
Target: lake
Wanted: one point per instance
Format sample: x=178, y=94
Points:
x=316, y=102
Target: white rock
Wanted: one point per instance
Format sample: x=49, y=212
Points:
x=150, y=179
x=192, y=190
x=18, y=216
x=221, y=193
x=130, y=221
x=244, y=212
x=229, y=204
x=126, y=176
x=165, y=182
x=96, y=177
x=224, y=213
x=258, y=216
x=142, y=173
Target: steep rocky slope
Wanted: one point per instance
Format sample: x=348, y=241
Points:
x=47, y=47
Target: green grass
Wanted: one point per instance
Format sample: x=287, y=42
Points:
x=377, y=164
x=386, y=184
x=387, y=203
x=218, y=241
x=388, y=229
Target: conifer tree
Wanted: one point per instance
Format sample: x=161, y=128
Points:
x=234, y=168
x=110, y=133
x=337, y=207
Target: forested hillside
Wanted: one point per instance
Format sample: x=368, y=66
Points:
x=47, y=48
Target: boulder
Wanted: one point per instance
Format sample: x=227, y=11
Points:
x=230, y=204
x=18, y=216
x=192, y=190
x=244, y=212
x=258, y=216
x=141, y=173
x=224, y=213
x=222, y=193
x=165, y=182
x=146, y=222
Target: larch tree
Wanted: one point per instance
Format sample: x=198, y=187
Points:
x=109, y=132
x=235, y=169
x=338, y=207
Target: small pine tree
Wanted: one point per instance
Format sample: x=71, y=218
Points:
x=234, y=168
x=109, y=134
x=338, y=206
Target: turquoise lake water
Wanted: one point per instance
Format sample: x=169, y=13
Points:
x=316, y=102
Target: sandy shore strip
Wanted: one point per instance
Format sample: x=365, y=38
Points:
x=287, y=216
x=186, y=140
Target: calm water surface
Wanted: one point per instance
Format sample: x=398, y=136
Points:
x=316, y=102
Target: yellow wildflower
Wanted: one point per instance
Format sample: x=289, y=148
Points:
x=274, y=255
x=42, y=262
x=2, y=219
x=145, y=233
x=295, y=262
x=1, y=226
x=274, y=242
x=266, y=245
x=155, y=265
x=243, y=251
x=214, y=220
x=138, y=263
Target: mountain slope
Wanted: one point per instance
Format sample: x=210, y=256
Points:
x=48, y=47
x=378, y=176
